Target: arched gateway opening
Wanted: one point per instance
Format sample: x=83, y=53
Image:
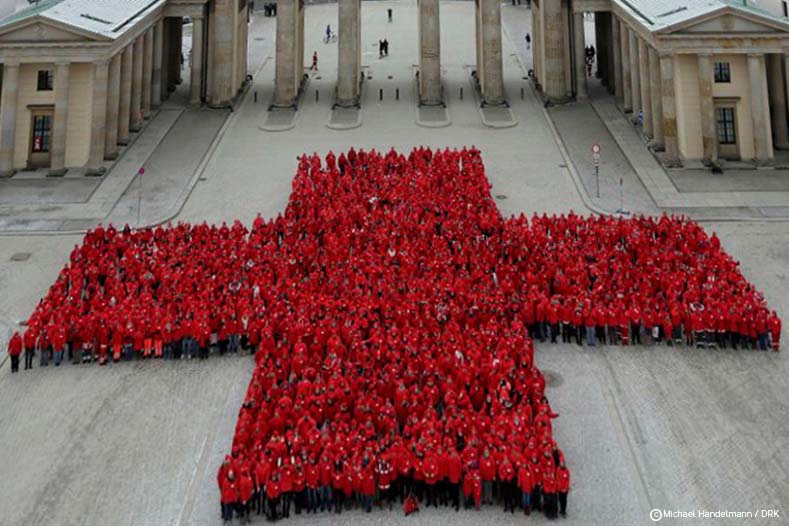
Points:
x=290, y=53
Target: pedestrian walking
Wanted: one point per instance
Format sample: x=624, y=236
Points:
x=386, y=48
x=314, y=66
x=389, y=15
x=528, y=41
x=380, y=49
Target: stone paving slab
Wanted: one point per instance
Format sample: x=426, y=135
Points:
x=15, y=191
x=700, y=181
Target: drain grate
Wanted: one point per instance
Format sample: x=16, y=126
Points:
x=20, y=256
x=552, y=378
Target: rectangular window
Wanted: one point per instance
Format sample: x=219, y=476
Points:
x=722, y=72
x=786, y=8
x=726, y=131
x=45, y=80
x=42, y=131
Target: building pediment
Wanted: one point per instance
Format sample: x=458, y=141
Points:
x=43, y=31
x=727, y=22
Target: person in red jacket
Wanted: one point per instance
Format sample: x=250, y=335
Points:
x=246, y=488
x=774, y=325
x=273, y=491
x=487, y=470
x=525, y=485
x=549, y=491
x=229, y=496
x=30, y=348
x=14, y=351
x=454, y=472
x=562, y=487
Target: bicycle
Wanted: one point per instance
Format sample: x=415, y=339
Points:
x=330, y=38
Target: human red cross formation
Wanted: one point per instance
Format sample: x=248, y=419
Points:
x=389, y=310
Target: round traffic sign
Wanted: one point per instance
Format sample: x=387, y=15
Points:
x=596, y=148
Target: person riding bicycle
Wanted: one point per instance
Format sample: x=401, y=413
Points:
x=328, y=32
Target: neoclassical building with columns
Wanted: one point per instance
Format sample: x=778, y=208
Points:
x=706, y=79
x=78, y=76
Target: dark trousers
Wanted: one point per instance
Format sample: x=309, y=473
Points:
x=562, y=502
x=227, y=512
x=536, y=502
x=550, y=505
x=271, y=512
x=29, y=355
x=15, y=363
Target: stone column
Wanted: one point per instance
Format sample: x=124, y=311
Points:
x=489, y=65
x=8, y=105
x=579, y=56
x=536, y=42
x=762, y=134
x=608, y=40
x=708, y=130
x=627, y=84
x=287, y=78
x=147, y=73
x=657, y=99
x=554, y=83
x=136, y=94
x=156, y=74
x=778, y=102
x=124, y=108
x=635, y=75
x=646, y=92
x=669, y=108
x=616, y=38
x=600, y=49
x=223, y=30
x=196, y=79
x=113, y=103
x=59, y=125
x=429, y=52
x=98, y=118
x=349, y=43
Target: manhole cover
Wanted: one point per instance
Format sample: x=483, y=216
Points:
x=20, y=256
x=369, y=77
x=259, y=39
x=501, y=197
x=552, y=379
x=318, y=77
x=390, y=77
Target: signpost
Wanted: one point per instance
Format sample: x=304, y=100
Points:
x=140, y=173
x=596, y=156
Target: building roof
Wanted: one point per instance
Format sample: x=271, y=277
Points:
x=658, y=15
x=106, y=18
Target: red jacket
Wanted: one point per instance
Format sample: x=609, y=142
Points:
x=15, y=345
x=229, y=493
x=562, y=479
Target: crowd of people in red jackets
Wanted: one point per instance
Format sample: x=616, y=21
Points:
x=390, y=311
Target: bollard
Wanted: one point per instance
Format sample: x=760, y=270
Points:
x=381, y=94
x=461, y=93
x=521, y=92
x=317, y=95
x=397, y=93
x=256, y=96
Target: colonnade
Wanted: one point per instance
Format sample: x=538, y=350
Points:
x=642, y=78
x=290, y=75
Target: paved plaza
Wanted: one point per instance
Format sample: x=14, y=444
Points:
x=642, y=427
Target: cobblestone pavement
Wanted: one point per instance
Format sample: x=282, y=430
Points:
x=138, y=444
